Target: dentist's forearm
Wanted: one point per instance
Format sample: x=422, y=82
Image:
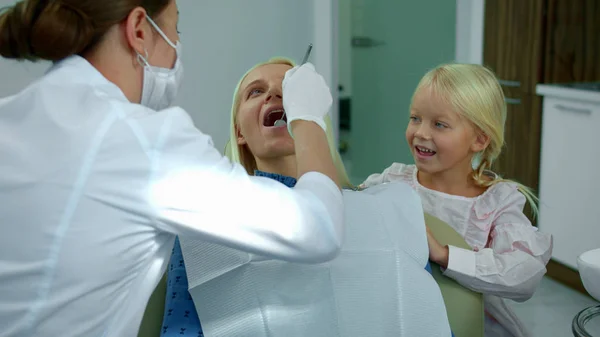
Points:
x=312, y=150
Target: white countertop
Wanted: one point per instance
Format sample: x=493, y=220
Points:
x=561, y=91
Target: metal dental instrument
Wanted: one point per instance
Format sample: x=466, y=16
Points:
x=305, y=59
x=282, y=122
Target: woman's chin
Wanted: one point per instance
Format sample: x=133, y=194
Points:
x=280, y=148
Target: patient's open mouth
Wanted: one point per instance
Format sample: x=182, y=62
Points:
x=423, y=151
x=272, y=116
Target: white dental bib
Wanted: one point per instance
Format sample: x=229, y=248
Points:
x=377, y=286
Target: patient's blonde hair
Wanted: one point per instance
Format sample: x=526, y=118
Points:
x=241, y=154
x=475, y=93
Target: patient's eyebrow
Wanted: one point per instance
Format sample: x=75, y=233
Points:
x=253, y=83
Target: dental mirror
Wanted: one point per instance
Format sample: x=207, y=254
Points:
x=282, y=122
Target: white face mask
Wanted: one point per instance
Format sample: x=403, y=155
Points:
x=161, y=84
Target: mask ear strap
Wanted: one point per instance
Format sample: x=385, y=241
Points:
x=143, y=60
x=164, y=36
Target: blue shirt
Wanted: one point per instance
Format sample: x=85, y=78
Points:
x=181, y=318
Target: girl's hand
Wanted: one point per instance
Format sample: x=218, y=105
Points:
x=437, y=253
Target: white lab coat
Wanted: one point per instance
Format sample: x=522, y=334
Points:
x=93, y=190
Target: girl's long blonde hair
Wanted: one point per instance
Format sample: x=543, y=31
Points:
x=474, y=92
x=241, y=154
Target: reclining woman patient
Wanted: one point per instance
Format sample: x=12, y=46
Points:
x=264, y=150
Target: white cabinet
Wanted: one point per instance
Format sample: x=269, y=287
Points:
x=569, y=174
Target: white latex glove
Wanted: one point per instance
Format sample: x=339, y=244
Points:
x=306, y=96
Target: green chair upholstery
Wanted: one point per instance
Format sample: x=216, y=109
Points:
x=464, y=307
x=155, y=309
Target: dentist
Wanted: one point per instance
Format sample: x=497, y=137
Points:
x=99, y=173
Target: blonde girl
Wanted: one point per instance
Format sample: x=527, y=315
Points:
x=455, y=132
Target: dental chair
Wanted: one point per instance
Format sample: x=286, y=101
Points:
x=464, y=307
x=153, y=316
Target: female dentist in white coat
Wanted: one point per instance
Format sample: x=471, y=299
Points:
x=98, y=174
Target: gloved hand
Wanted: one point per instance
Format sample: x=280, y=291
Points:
x=306, y=96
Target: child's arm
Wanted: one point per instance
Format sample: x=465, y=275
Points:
x=513, y=262
x=392, y=173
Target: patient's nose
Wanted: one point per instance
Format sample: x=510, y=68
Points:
x=274, y=94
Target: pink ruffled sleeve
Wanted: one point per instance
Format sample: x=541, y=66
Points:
x=514, y=260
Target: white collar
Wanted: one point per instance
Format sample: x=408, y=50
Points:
x=88, y=74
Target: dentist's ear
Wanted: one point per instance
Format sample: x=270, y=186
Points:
x=138, y=31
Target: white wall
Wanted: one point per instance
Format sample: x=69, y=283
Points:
x=16, y=75
x=325, y=53
x=221, y=40
x=345, y=46
x=469, y=31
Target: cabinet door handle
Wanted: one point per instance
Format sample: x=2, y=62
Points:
x=507, y=83
x=571, y=109
x=515, y=101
